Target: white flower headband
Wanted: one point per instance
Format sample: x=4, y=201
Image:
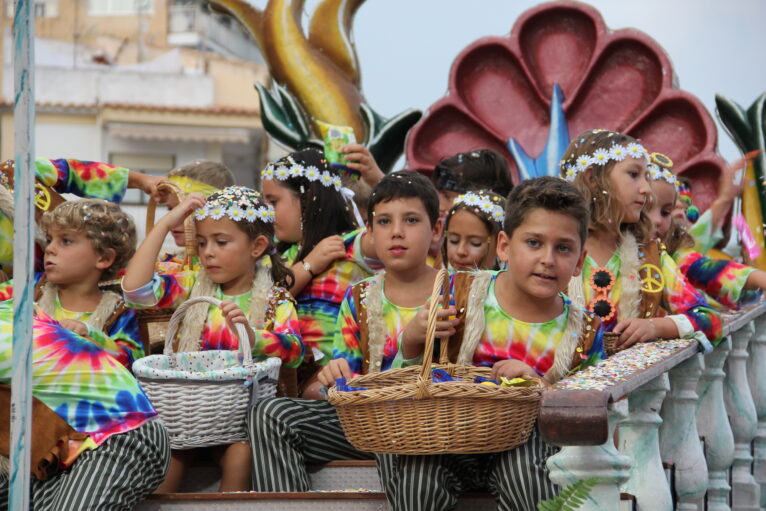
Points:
x=659, y=169
x=485, y=203
x=237, y=203
x=602, y=156
x=289, y=168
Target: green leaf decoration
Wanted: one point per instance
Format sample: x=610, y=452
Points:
x=284, y=120
x=386, y=142
x=571, y=497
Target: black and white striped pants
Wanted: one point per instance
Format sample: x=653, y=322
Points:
x=115, y=476
x=287, y=433
x=517, y=478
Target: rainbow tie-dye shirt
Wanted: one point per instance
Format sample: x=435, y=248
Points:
x=319, y=302
x=280, y=337
x=347, y=333
x=79, y=380
x=534, y=344
x=678, y=296
x=121, y=340
x=82, y=178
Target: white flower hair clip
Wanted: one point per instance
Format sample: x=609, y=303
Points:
x=287, y=168
x=603, y=156
x=484, y=204
x=237, y=203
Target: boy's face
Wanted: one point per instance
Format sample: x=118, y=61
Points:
x=402, y=233
x=70, y=258
x=543, y=254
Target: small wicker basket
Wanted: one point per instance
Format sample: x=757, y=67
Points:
x=202, y=397
x=404, y=412
x=610, y=343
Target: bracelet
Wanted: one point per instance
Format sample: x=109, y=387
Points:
x=307, y=266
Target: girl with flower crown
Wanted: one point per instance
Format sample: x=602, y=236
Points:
x=319, y=239
x=235, y=233
x=726, y=284
x=471, y=227
x=634, y=286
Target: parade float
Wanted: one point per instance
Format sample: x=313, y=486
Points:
x=692, y=426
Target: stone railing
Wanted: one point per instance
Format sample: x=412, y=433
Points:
x=696, y=417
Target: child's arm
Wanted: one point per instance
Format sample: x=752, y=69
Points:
x=280, y=338
x=727, y=282
x=140, y=270
x=728, y=191
x=346, y=342
x=320, y=258
x=361, y=159
x=122, y=339
x=413, y=338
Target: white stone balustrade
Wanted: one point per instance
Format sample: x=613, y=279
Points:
x=719, y=397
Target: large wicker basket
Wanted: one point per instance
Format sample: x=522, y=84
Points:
x=202, y=397
x=404, y=412
x=153, y=323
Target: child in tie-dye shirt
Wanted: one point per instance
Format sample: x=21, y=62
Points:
x=234, y=237
x=726, y=284
x=626, y=279
x=287, y=433
x=470, y=231
x=321, y=242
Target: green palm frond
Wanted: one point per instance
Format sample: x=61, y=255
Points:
x=571, y=497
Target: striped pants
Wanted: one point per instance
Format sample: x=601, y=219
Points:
x=286, y=433
x=517, y=478
x=116, y=476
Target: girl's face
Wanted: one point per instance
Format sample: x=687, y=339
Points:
x=629, y=182
x=287, y=210
x=661, y=210
x=470, y=244
x=228, y=254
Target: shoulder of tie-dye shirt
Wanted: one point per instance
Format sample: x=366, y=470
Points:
x=84, y=178
x=347, y=335
x=125, y=333
x=174, y=288
x=83, y=384
x=281, y=336
x=680, y=297
x=724, y=281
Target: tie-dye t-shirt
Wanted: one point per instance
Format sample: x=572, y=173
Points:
x=82, y=178
x=86, y=386
x=121, y=340
x=678, y=296
x=319, y=301
x=347, y=334
x=705, y=235
x=280, y=337
x=721, y=281
x=534, y=344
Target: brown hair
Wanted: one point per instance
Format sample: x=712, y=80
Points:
x=606, y=212
x=209, y=172
x=103, y=223
x=480, y=169
x=548, y=193
x=677, y=238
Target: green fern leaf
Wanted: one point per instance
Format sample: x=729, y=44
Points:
x=571, y=497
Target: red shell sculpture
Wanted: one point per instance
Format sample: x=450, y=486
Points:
x=500, y=88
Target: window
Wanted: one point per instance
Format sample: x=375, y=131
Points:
x=154, y=164
x=120, y=7
x=43, y=8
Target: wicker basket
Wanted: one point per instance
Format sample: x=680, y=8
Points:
x=202, y=397
x=610, y=343
x=404, y=412
x=153, y=323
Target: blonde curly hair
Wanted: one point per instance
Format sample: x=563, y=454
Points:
x=102, y=222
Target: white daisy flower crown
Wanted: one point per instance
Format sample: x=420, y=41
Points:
x=488, y=206
x=602, y=156
x=238, y=203
x=659, y=169
x=288, y=168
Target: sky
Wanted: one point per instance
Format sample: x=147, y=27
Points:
x=406, y=47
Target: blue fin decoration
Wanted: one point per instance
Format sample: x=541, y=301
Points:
x=547, y=163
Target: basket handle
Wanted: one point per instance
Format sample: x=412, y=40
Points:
x=190, y=235
x=175, y=322
x=441, y=285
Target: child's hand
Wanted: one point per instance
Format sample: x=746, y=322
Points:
x=414, y=334
x=233, y=315
x=147, y=183
x=178, y=214
x=511, y=368
x=75, y=326
x=335, y=369
x=325, y=253
x=359, y=158
x=635, y=330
